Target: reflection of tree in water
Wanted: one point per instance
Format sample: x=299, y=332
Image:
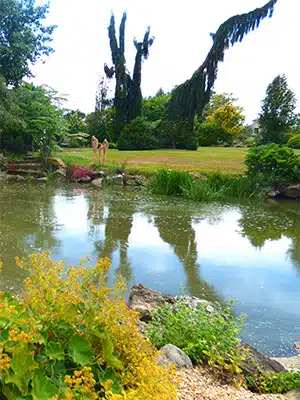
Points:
x=177, y=231
x=275, y=220
x=27, y=223
x=118, y=224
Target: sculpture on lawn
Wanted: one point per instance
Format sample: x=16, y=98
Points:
x=103, y=150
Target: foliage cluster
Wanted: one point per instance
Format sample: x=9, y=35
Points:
x=278, y=112
x=294, y=142
x=68, y=336
x=215, y=187
x=282, y=382
x=274, y=163
x=3, y=162
x=138, y=135
x=205, y=337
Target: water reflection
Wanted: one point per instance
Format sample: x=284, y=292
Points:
x=247, y=252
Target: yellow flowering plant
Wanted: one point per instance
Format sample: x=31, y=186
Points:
x=69, y=336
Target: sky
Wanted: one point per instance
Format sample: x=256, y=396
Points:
x=182, y=41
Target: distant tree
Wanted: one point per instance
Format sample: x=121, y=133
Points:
x=44, y=122
x=190, y=98
x=217, y=101
x=102, y=100
x=278, y=112
x=155, y=108
x=128, y=95
x=23, y=38
x=229, y=118
x=160, y=92
x=102, y=124
x=76, y=121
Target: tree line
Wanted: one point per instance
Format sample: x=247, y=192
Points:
x=34, y=118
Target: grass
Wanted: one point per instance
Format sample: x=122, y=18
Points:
x=205, y=160
x=216, y=187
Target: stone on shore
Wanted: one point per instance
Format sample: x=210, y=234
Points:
x=257, y=362
x=145, y=300
x=289, y=363
x=170, y=354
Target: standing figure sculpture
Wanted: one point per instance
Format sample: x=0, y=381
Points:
x=105, y=146
x=103, y=150
x=95, y=145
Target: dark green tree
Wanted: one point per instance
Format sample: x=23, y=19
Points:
x=23, y=38
x=128, y=95
x=278, y=112
x=190, y=98
x=155, y=108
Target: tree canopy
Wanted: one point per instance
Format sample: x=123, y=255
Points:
x=128, y=95
x=24, y=39
x=278, y=112
x=190, y=98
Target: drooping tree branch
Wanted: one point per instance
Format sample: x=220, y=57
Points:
x=190, y=98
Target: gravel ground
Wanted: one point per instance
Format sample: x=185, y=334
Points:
x=199, y=384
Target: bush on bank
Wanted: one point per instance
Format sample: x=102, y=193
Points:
x=69, y=336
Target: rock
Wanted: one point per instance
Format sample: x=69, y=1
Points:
x=292, y=191
x=133, y=180
x=57, y=162
x=273, y=193
x=294, y=395
x=289, y=363
x=97, y=182
x=142, y=327
x=43, y=179
x=256, y=362
x=170, y=354
x=145, y=301
x=117, y=179
x=98, y=174
x=84, y=179
x=297, y=346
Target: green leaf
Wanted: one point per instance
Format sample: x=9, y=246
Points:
x=109, y=374
x=21, y=382
x=109, y=357
x=22, y=362
x=54, y=351
x=43, y=388
x=80, y=351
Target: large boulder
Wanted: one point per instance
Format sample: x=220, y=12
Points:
x=145, y=300
x=170, y=354
x=256, y=362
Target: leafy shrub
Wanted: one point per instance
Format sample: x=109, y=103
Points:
x=170, y=182
x=274, y=383
x=294, y=142
x=68, y=336
x=3, y=162
x=205, y=337
x=210, y=134
x=276, y=164
x=80, y=171
x=138, y=135
x=176, y=134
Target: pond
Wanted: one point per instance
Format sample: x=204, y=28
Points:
x=250, y=253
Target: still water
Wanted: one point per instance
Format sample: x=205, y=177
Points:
x=250, y=253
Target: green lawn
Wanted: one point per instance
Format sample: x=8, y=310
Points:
x=206, y=159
